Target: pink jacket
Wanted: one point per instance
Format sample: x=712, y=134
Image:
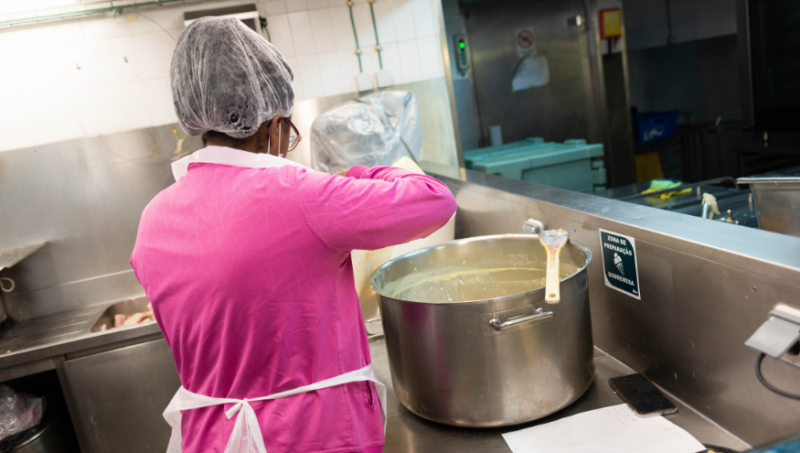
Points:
x=250, y=277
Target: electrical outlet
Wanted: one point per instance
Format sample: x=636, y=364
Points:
x=779, y=336
x=383, y=78
x=364, y=82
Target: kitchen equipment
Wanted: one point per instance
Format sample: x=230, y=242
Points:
x=489, y=351
x=572, y=165
x=248, y=14
x=777, y=199
x=125, y=307
x=553, y=241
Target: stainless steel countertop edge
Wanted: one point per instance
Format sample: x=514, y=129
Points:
x=79, y=342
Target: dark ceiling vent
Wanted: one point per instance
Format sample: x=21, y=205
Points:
x=246, y=13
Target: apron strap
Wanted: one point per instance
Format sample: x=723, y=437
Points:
x=246, y=436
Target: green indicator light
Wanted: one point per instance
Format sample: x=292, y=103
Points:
x=462, y=45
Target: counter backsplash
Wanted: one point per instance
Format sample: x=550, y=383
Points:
x=83, y=198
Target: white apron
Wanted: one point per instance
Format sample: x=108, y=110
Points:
x=246, y=436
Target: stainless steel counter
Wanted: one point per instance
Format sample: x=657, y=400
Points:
x=35, y=345
x=92, y=367
x=408, y=433
x=30, y=346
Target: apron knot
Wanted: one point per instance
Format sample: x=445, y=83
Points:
x=235, y=409
x=246, y=436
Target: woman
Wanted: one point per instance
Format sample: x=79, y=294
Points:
x=246, y=259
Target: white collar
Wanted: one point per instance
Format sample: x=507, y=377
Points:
x=223, y=155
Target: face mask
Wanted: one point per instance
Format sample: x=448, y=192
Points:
x=280, y=134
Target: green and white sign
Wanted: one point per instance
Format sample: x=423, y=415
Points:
x=619, y=263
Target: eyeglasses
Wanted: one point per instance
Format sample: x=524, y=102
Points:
x=294, y=135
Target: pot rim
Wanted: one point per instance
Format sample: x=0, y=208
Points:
x=582, y=247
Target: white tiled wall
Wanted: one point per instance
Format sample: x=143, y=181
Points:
x=317, y=38
x=692, y=20
x=72, y=79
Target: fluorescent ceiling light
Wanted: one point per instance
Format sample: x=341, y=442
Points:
x=14, y=6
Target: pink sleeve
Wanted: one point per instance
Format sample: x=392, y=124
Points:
x=373, y=208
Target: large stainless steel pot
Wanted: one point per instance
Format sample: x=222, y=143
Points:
x=479, y=361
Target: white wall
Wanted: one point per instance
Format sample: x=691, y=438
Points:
x=316, y=36
x=692, y=20
x=81, y=78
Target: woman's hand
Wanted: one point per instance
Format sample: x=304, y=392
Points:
x=343, y=173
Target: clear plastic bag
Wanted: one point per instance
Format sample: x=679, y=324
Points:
x=354, y=133
x=17, y=412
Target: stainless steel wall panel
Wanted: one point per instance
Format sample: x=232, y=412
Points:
x=70, y=295
x=83, y=198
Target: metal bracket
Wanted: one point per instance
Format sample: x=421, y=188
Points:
x=532, y=226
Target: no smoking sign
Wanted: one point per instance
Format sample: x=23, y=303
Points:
x=525, y=41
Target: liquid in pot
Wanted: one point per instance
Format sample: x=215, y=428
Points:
x=457, y=284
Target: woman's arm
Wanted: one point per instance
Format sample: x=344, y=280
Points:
x=373, y=208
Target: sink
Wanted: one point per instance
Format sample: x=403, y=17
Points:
x=44, y=330
x=125, y=307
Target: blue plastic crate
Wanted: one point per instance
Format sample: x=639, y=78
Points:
x=571, y=165
x=524, y=145
x=651, y=126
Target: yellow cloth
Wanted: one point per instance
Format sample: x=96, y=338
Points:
x=664, y=184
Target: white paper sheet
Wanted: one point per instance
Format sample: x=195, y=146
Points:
x=615, y=429
x=531, y=72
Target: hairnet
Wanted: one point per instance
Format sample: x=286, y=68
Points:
x=227, y=78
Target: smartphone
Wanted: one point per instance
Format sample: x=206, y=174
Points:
x=641, y=395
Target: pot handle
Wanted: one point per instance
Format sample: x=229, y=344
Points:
x=539, y=314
